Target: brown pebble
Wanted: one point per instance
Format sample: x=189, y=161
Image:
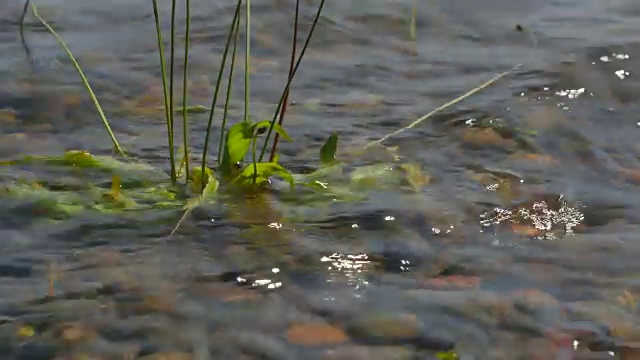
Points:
x=315, y=334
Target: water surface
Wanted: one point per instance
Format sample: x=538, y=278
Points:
x=523, y=244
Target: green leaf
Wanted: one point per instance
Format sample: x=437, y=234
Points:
x=80, y=159
x=328, y=150
x=265, y=124
x=448, y=355
x=196, y=178
x=210, y=189
x=262, y=172
x=237, y=145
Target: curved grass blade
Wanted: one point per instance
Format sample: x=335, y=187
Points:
x=286, y=88
x=85, y=81
x=185, y=123
x=167, y=109
x=294, y=42
x=442, y=107
x=214, y=99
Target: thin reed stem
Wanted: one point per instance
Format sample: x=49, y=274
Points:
x=185, y=122
x=167, y=108
x=442, y=107
x=286, y=88
x=85, y=81
x=276, y=138
x=229, y=85
x=412, y=24
x=214, y=99
x=247, y=59
x=23, y=18
x=172, y=55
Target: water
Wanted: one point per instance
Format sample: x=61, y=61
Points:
x=523, y=244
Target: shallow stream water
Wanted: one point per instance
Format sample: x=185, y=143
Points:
x=522, y=241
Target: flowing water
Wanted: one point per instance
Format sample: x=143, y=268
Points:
x=521, y=242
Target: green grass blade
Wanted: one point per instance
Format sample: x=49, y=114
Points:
x=294, y=42
x=85, y=81
x=247, y=60
x=227, y=100
x=185, y=123
x=412, y=24
x=286, y=88
x=167, y=109
x=172, y=58
x=442, y=107
x=214, y=99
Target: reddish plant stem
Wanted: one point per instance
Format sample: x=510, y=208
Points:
x=286, y=97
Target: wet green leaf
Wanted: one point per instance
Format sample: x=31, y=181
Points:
x=115, y=187
x=211, y=187
x=137, y=172
x=447, y=355
x=277, y=128
x=207, y=194
x=328, y=150
x=415, y=176
x=375, y=176
x=261, y=172
x=237, y=144
x=196, y=178
x=80, y=159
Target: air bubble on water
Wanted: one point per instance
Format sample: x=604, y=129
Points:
x=492, y=187
x=571, y=93
x=621, y=56
x=622, y=74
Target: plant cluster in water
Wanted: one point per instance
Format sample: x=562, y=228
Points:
x=242, y=162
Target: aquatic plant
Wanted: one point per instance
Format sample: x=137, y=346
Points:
x=237, y=142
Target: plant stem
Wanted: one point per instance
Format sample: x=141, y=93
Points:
x=442, y=107
x=286, y=97
x=185, y=123
x=23, y=18
x=167, y=108
x=247, y=59
x=286, y=88
x=172, y=54
x=253, y=158
x=214, y=99
x=229, y=85
x=85, y=81
x=412, y=25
